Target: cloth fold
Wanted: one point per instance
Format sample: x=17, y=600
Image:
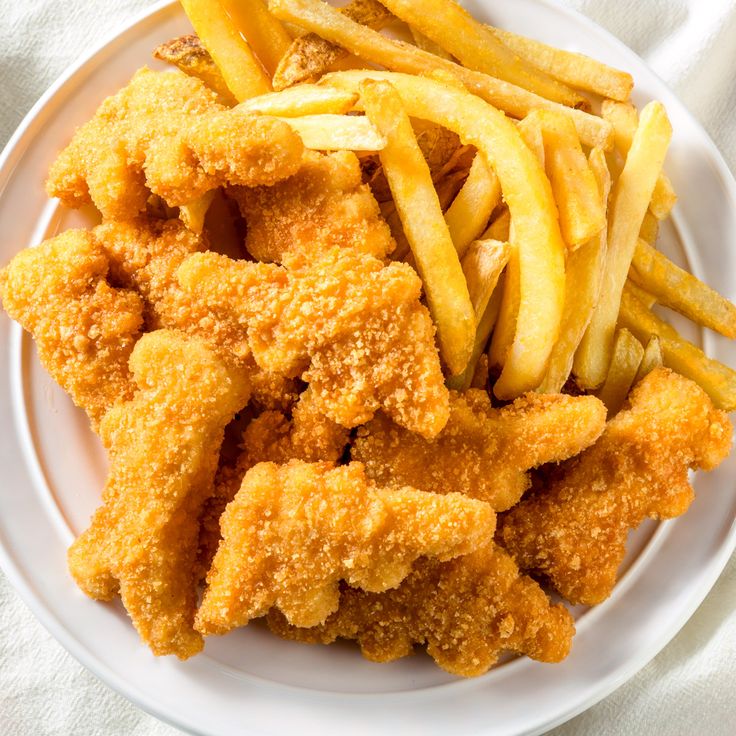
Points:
x=686, y=689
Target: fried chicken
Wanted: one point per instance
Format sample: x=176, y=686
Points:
x=573, y=529
x=163, y=446
x=166, y=133
x=84, y=328
x=294, y=531
x=482, y=451
x=350, y=327
x=467, y=611
x=323, y=205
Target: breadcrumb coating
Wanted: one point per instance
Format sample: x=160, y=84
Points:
x=163, y=447
x=323, y=205
x=294, y=531
x=573, y=529
x=350, y=327
x=84, y=329
x=166, y=133
x=466, y=611
x=482, y=452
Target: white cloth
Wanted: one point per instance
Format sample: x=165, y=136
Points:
x=687, y=689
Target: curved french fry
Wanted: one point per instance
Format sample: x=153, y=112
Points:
x=303, y=99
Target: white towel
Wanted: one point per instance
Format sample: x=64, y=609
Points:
x=688, y=688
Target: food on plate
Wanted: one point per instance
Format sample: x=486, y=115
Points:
x=84, y=327
x=466, y=611
x=482, y=452
x=294, y=531
x=573, y=528
x=628, y=354
x=323, y=205
x=349, y=326
x=163, y=446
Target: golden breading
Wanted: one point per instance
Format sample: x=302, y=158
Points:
x=323, y=205
x=84, y=328
x=573, y=528
x=166, y=133
x=350, y=327
x=294, y=531
x=482, y=451
x=467, y=611
x=163, y=447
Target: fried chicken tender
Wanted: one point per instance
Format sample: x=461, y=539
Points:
x=350, y=327
x=163, y=447
x=467, y=611
x=323, y=205
x=84, y=328
x=294, y=531
x=166, y=133
x=573, y=529
x=482, y=452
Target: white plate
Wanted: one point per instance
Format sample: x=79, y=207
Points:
x=250, y=682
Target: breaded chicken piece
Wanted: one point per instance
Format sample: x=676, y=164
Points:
x=271, y=437
x=166, y=133
x=482, y=451
x=163, y=447
x=294, y=531
x=350, y=327
x=466, y=611
x=84, y=328
x=323, y=205
x=573, y=529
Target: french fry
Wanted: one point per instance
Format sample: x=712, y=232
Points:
x=481, y=375
x=681, y=291
x=310, y=55
x=651, y=359
x=319, y=17
x=189, y=55
x=499, y=228
x=582, y=213
x=531, y=132
x=630, y=198
x=470, y=211
x=504, y=331
x=427, y=44
x=421, y=217
x=716, y=379
x=303, y=99
x=647, y=299
x=649, y=228
x=265, y=34
x=240, y=69
x=456, y=31
x=627, y=357
x=482, y=266
x=575, y=70
x=337, y=132
x=192, y=213
x=584, y=273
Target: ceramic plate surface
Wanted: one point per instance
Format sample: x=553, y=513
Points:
x=250, y=682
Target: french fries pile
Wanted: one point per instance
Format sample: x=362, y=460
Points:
x=534, y=234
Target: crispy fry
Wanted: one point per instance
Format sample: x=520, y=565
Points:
x=414, y=194
x=304, y=99
x=531, y=131
x=681, y=291
x=508, y=314
x=427, y=44
x=337, y=132
x=651, y=359
x=629, y=200
x=482, y=266
x=500, y=227
x=627, y=356
x=647, y=299
x=241, y=71
x=649, y=228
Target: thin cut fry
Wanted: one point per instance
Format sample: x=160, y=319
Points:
x=193, y=213
x=627, y=357
x=304, y=99
x=681, y=291
x=531, y=132
x=651, y=359
x=482, y=266
x=716, y=379
x=321, y=18
x=427, y=44
x=456, y=31
x=337, y=132
x=240, y=69
x=265, y=34
x=471, y=209
x=500, y=227
x=649, y=228
x=647, y=299
x=508, y=313
x=574, y=69
x=421, y=217
x=630, y=198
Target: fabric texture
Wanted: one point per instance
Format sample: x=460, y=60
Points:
x=687, y=689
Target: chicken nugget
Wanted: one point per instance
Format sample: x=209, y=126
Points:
x=573, y=529
x=294, y=531
x=163, y=446
x=482, y=451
